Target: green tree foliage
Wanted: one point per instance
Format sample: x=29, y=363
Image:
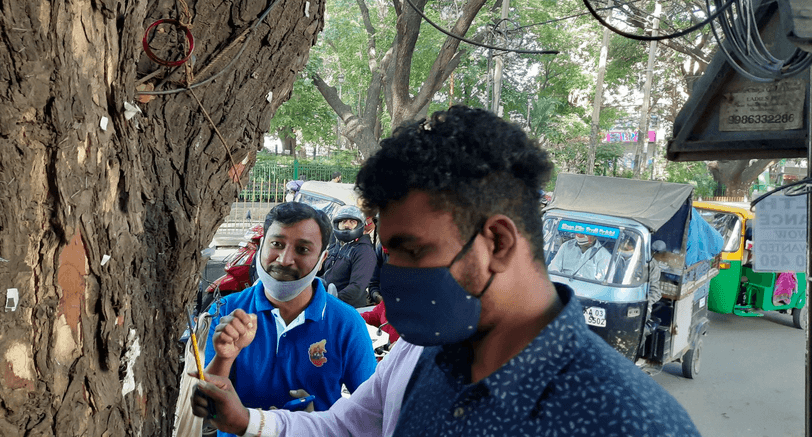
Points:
x=549, y=95
x=306, y=115
x=355, y=49
x=695, y=173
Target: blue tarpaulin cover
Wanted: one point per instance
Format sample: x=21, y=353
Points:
x=704, y=242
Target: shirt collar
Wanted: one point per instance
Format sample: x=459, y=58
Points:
x=318, y=305
x=314, y=311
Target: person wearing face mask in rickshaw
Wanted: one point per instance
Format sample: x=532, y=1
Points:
x=582, y=256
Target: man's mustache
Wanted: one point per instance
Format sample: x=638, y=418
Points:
x=284, y=272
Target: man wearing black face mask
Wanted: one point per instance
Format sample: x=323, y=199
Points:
x=506, y=351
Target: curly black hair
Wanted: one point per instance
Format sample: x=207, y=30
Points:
x=472, y=163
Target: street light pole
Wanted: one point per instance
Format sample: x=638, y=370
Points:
x=645, y=110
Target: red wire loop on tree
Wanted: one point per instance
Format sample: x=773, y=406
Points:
x=189, y=38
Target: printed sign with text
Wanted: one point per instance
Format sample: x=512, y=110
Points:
x=764, y=107
x=779, y=237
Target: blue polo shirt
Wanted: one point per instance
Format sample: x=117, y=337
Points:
x=566, y=382
x=331, y=347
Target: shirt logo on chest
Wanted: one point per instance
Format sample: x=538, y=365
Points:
x=318, y=353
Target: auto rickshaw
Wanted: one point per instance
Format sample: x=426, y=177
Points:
x=640, y=260
x=738, y=289
x=327, y=196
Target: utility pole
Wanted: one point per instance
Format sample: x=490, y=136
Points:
x=596, y=107
x=497, y=75
x=642, y=131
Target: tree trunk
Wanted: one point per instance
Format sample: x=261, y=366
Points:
x=737, y=176
x=288, y=140
x=104, y=216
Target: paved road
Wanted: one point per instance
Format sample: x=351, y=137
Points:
x=751, y=380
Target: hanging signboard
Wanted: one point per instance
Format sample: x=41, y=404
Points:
x=763, y=107
x=779, y=237
x=729, y=116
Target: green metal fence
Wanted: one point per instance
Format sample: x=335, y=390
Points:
x=266, y=182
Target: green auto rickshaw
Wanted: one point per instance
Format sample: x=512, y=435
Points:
x=739, y=290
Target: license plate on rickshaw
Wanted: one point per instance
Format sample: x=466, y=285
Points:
x=595, y=316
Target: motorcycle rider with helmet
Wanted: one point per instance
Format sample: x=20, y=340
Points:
x=351, y=258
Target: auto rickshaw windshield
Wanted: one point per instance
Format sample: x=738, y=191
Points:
x=727, y=224
x=594, y=253
x=321, y=203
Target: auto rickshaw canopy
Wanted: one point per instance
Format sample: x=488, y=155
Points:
x=650, y=203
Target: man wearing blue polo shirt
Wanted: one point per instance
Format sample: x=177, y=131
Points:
x=305, y=338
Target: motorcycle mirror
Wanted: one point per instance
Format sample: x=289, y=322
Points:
x=380, y=329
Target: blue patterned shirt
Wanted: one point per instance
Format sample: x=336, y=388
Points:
x=566, y=382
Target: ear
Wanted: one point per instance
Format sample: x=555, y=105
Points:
x=502, y=236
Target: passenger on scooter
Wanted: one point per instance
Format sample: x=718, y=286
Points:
x=300, y=337
x=351, y=258
x=582, y=256
x=506, y=351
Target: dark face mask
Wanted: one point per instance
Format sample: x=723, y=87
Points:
x=427, y=306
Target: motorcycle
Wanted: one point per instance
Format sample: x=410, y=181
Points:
x=239, y=269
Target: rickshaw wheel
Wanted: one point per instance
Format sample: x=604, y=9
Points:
x=690, y=361
x=800, y=317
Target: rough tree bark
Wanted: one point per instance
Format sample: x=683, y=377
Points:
x=737, y=176
x=92, y=348
x=391, y=73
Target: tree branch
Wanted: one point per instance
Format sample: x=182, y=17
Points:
x=408, y=29
x=755, y=168
x=372, y=54
x=443, y=67
x=330, y=95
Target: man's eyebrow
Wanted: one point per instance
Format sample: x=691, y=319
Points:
x=399, y=240
x=303, y=241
